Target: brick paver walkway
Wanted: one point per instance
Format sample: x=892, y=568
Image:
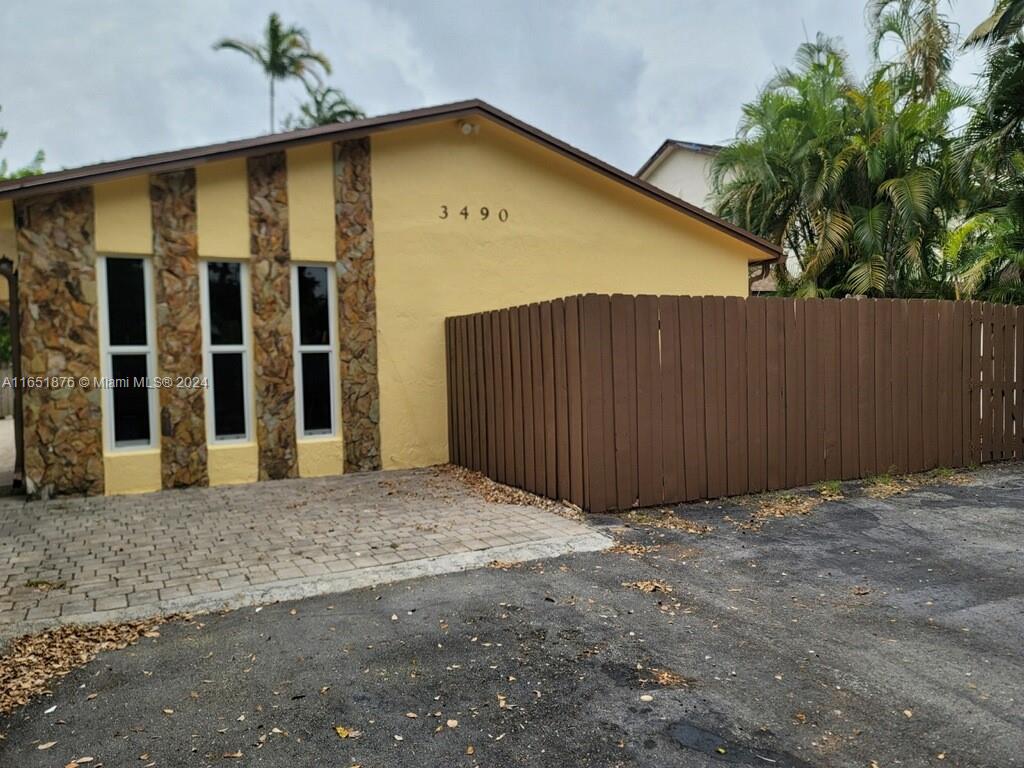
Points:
x=98, y=559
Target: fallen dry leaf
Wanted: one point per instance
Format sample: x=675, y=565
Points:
x=233, y=755
x=452, y=723
x=347, y=733
x=648, y=585
x=470, y=750
x=47, y=745
x=44, y=585
x=504, y=565
x=666, y=678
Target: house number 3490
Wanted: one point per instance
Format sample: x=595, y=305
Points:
x=482, y=214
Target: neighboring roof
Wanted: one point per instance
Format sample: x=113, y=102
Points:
x=765, y=284
x=672, y=144
x=185, y=158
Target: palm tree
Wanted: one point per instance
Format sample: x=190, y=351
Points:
x=856, y=182
x=992, y=153
x=326, y=105
x=284, y=52
x=925, y=38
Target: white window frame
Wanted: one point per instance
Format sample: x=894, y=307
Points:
x=107, y=352
x=210, y=349
x=331, y=349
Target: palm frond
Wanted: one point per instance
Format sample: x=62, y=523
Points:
x=868, y=276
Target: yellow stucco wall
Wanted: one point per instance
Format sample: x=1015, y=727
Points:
x=124, y=221
x=569, y=230
x=222, y=209
x=233, y=464
x=321, y=456
x=311, y=202
x=132, y=472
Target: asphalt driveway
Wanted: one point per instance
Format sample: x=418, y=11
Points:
x=866, y=632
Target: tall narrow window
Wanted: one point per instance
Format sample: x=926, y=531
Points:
x=226, y=331
x=129, y=359
x=315, y=361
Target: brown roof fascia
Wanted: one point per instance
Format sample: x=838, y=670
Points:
x=186, y=158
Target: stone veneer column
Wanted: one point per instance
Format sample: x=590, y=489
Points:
x=60, y=337
x=353, y=215
x=271, y=316
x=179, y=328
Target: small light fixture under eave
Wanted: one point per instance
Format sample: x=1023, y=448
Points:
x=468, y=128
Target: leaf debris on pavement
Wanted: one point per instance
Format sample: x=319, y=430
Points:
x=33, y=661
x=667, y=519
x=496, y=493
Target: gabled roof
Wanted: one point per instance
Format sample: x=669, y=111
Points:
x=186, y=158
x=669, y=145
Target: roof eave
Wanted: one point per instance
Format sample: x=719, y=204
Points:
x=187, y=158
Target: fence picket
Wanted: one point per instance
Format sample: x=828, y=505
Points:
x=831, y=389
x=736, y=434
x=775, y=369
x=691, y=339
x=574, y=393
x=757, y=413
x=674, y=481
x=814, y=391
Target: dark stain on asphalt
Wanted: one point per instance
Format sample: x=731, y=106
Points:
x=720, y=749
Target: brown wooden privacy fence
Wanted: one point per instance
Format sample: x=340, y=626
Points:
x=617, y=401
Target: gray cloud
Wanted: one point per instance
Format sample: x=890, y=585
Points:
x=102, y=80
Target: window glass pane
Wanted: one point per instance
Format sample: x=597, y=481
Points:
x=225, y=282
x=313, y=310
x=131, y=399
x=316, y=392
x=228, y=395
x=126, y=301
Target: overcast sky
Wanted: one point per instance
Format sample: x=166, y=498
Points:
x=106, y=79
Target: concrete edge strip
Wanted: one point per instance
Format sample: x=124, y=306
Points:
x=297, y=589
